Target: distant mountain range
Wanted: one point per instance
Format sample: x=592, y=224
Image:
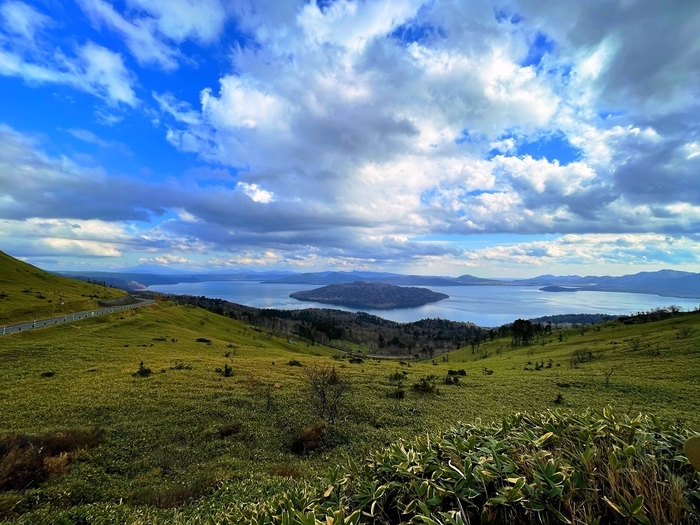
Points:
x=668, y=283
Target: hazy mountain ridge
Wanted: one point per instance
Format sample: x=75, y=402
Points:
x=668, y=283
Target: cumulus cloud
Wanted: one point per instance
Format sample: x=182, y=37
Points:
x=396, y=131
x=343, y=131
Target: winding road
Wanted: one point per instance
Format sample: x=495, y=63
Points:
x=69, y=318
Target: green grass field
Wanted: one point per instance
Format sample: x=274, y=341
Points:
x=187, y=444
x=26, y=292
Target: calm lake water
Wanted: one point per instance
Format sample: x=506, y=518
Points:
x=483, y=305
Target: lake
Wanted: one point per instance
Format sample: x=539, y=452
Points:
x=483, y=305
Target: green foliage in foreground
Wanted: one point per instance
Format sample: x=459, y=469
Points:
x=188, y=444
x=594, y=467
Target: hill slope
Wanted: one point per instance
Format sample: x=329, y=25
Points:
x=188, y=444
x=28, y=292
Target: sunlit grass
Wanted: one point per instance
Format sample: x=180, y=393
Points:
x=26, y=292
x=164, y=431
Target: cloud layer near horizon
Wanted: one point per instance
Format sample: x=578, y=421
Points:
x=401, y=135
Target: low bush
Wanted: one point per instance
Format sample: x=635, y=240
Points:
x=451, y=380
x=294, y=362
x=231, y=429
x=425, y=385
x=226, y=371
x=142, y=371
x=309, y=438
x=26, y=460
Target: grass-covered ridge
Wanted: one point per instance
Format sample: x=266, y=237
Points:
x=190, y=444
x=26, y=292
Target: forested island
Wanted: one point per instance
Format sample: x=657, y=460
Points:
x=361, y=294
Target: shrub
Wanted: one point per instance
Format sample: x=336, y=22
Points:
x=328, y=390
x=397, y=377
x=142, y=371
x=294, y=362
x=231, y=429
x=203, y=340
x=356, y=360
x=398, y=392
x=451, y=380
x=426, y=385
x=309, y=438
x=26, y=460
x=226, y=371
x=460, y=372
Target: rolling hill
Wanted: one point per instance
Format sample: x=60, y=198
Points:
x=27, y=292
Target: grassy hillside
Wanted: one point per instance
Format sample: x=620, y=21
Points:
x=190, y=444
x=26, y=292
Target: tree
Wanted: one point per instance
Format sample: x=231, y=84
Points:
x=328, y=390
x=522, y=332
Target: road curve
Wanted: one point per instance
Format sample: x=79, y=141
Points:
x=69, y=318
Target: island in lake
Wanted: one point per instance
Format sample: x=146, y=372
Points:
x=559, y=289
x=362, y=294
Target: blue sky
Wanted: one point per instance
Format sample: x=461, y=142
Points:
x=502, y=139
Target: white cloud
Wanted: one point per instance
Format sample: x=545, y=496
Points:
x=138, y=34
x=167, y=259
x=153, y=29
x=94, y=69
x=241, y=105
x=23, y=20
x=88, y=136
x=178, y=20
x=256, y=193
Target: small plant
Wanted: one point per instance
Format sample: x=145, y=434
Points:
x=179, y=365
x=451, y=380
x=309, y=439
x=48, y=374
x=559, y=400
x=397, y=377
x=204, y=340
x=226, y=371
x=142, y=371
x=294, y=362
x=230, y=429
x=356, y=360
x=487, y=371
x=398, y=393
x=460, y=372
x=426, y=385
